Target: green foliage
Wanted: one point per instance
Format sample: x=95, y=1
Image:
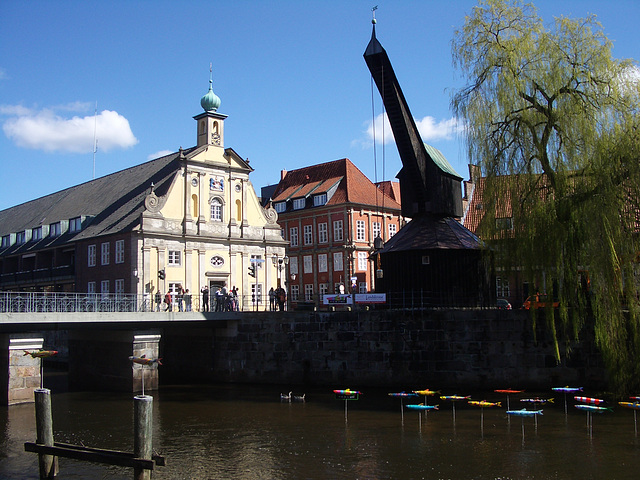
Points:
x=552, y=122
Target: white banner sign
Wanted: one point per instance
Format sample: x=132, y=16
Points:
x=371, y=298
x=337, y=299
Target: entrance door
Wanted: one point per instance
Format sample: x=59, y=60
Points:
x=213, y=288
x=215, y=284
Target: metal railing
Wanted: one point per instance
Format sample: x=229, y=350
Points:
x=41, y=302
x=45, y=302
x=398, y=300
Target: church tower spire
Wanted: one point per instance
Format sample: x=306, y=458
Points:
x=210, y=123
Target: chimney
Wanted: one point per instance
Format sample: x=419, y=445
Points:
x=475, y=172
x=283, y=173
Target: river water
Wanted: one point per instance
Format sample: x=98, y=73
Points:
x=246, y=432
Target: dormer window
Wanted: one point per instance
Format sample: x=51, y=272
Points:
x=36, y=233
x=21, y=237
x=75, y=224
x=54, y=229
x=280, y=206
x=319, y=200
x=299, y=203
x=6, y=241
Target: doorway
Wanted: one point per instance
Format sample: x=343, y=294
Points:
x=214, y=285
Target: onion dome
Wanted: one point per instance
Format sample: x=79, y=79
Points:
x=210, y=101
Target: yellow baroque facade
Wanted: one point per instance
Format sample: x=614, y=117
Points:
x=188, y=220
x=209, y=228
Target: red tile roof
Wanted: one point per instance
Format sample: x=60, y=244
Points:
x=353, y=185
x=306, y=189
x=390, y=188
x=505, y=204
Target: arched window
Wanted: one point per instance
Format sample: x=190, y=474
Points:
x=238, y=210
x=216, y=210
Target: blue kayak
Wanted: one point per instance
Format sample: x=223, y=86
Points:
x=422, y=407
x=524, y=412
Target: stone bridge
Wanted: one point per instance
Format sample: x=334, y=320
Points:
x=96, y=346
x=407, y=349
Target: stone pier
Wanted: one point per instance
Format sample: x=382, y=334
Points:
x=149, y=346
x=19, y=373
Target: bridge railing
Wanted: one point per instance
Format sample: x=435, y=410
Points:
x=42, y=302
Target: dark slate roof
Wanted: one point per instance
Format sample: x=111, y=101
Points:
x=430, y=232
x=266, y=193
x=112, y=204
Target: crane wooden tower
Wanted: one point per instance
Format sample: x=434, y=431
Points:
x=434, y=259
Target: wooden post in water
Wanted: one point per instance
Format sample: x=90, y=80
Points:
x=143, y=433
x=346, y=418
x=44, y=431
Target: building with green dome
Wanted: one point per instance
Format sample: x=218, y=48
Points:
x=189, y=219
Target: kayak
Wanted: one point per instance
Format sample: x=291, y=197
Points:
x=524, y=412
x=422, y=407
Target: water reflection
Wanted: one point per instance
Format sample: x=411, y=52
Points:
x=243, y=432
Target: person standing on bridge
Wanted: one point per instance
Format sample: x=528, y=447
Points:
x=187, y=300
x=158, y=300
x=205, y=298
x=272, y=299
x=224, y=296
x=180, y=297
x=234, y=298
x=282, y=297
x=167, y=300
x=219, y=298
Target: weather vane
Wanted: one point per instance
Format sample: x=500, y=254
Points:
x=373, y=12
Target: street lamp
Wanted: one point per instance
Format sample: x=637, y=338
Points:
x=350, y=248
x=280, y=263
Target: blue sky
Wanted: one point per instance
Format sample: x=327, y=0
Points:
x=290, y=76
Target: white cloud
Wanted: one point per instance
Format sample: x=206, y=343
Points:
x=158, y=154
x=382, y=129
x=46, y=130
x=443, y=130
x=3, y=74
x=427, y=127
x=15, y=110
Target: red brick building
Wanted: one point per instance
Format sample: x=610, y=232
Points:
x=331, y=214
x=508, y=285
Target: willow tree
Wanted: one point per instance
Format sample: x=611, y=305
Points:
x=552, y=120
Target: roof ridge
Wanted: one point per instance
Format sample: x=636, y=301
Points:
x=317, y=166
x=91, y=198
x=73, y=187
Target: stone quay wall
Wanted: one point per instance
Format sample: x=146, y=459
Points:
x=481, y=349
